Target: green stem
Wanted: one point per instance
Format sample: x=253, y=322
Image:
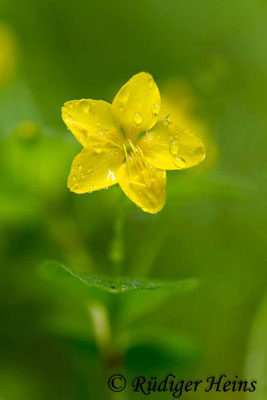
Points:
x=110, y=352
x=101, y=326
x=150, y=247
x=117, y=251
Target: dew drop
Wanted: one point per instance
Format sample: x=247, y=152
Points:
x=155, y=110
x=199, y=150
x=137, y=117
x=90, y=170
x=174, y=148
x=97, y=150
x=124, y=95
x=84, y=105
x=180, y=162
x=90, y=192
x=82, y=130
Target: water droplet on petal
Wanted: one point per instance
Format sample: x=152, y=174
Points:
x=106, y=188
x=90, y=192
x=174, y=148
x=137, y=117
x=124, y=95
x=90, y=170
x=180, y=162
x=199, y=150
x=84, y=104
x=97, y=149
x=82, y=130
x=155, y=110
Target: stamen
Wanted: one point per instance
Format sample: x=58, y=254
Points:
x=114, y=144
x=126, y=159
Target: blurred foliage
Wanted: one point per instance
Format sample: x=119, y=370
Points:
x=8, y=54
x=209, y=60
x=257, y=351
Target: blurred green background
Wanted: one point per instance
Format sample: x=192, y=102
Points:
x=209, y=59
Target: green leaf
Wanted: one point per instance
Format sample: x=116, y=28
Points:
x=154, y=349
x=256, y=365
x=114, y=285
x=137, y=304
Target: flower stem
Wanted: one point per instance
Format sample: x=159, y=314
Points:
x=117, y=251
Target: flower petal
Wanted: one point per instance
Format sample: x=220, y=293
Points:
x=92, y=122
x=168, y=146
x=142, y=183
x=93, y=170
x=137, y=105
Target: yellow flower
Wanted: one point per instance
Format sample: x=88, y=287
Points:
x=125, y=142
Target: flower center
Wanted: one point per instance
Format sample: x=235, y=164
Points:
x=128, y=146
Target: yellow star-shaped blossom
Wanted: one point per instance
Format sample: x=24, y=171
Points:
x=125, y=142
